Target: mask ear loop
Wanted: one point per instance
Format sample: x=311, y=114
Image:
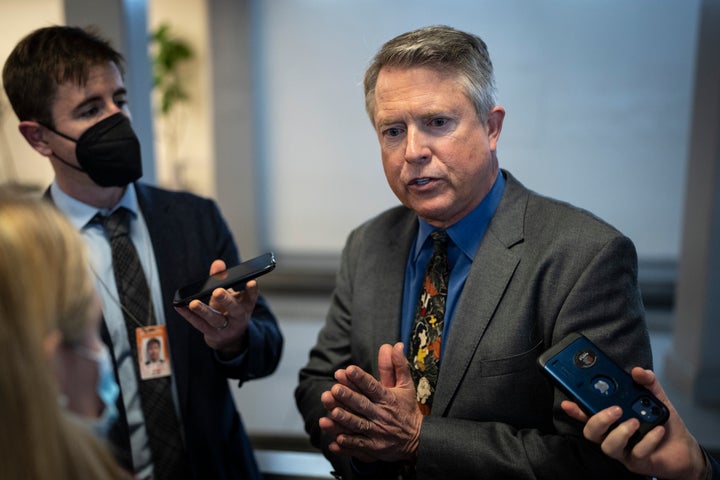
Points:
x=74, y=140
x=76, y=167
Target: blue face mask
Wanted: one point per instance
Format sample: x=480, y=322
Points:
x=107, y=389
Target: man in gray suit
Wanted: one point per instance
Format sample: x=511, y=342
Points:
x=525, y=271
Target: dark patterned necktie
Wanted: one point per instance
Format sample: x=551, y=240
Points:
x=426, y=335
x=161, y=421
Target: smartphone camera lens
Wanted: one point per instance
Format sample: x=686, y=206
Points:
x=646, y=409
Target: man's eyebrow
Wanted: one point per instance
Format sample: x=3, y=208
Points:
x=97, y=98
x=88, y=101
x=384, y=122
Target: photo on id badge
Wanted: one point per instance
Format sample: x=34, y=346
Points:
x=153, y=358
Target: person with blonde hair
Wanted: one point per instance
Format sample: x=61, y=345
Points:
x=43, y=283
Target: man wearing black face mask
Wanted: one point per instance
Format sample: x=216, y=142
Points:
x=109, y=152
x=66, y=87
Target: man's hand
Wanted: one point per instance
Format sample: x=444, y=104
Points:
x=668, y=451
x=224, y=320
x=370, y=419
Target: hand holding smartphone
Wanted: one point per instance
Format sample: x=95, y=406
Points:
x=594, y=381
x=234, y=277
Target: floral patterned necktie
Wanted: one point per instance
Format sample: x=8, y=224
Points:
x=426, y=335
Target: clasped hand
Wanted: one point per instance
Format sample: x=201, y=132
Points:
x=224, y=319
x=374, y=419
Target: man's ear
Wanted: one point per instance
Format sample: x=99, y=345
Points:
x=34, y=133
x=494, y=125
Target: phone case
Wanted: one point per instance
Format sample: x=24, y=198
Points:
x=235, y=277
x=594, y=381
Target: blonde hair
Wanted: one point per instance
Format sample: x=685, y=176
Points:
x=43, y=281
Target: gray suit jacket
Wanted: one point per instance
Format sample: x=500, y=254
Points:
x=544, y=269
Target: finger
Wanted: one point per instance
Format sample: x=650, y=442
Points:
x=345, y=378
x=573, y=410
x=357, y=446
x=598, y=425
x=643, y=376
x=366, y=385
x=237, y=311
x=350, y=421
x=328, y=400
x=647, y=379
x=649, y=443
x=331, y=428
x=201, y=317
x=217, y=266
x=251, y=290
x=616, y=441
x=385, y=366
x=342, y=378
x=348, y=451
x=355, y=401
x=401, y=366
x=235, y=303
x=343, y=398
x=213, y=317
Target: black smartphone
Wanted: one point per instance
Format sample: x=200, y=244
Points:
x=594, y=381
x=234, y=277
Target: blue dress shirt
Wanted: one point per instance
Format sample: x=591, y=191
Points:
x=100, y=257
x=465, y=238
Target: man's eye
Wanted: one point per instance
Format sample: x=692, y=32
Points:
x=438, y=122
x=392, y=132
x=89, y=112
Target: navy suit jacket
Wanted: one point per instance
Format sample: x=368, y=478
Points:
x=188, y=233
x=715, y=468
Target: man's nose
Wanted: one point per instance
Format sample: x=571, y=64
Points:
x=417, y=148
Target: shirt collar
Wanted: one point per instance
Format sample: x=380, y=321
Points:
x=468, y=232
x=80, y=214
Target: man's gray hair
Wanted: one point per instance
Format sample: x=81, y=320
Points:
x=444, y=49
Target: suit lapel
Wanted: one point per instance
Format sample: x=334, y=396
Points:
x=169, y=249
x=491, y=271
x=396, y=244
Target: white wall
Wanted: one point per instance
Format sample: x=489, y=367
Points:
x=597, y=96
x=17, y=19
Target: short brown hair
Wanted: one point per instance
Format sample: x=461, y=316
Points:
x=49, y=57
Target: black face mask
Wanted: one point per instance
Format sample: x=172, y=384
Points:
x=108, y=152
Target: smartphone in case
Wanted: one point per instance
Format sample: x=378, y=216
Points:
x=594, y=381
x=234, y=277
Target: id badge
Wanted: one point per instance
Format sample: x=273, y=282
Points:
x=152, y=347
